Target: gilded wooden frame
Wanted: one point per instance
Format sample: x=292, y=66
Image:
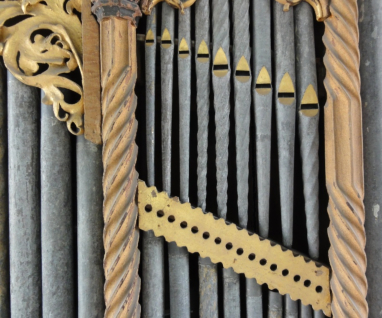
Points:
x=343, y=129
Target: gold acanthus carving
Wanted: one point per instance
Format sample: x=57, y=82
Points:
x=40, y=41
x=148, y=5
x=321, y=7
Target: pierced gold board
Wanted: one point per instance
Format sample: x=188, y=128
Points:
x=247, y=253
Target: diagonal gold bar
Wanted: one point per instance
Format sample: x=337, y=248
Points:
x=245, y=252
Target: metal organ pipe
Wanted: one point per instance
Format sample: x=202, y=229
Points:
x=152, y=252
x=308, y=119
x=89, y=229
x=24, y=198
x=57, y=248
x=285, y=121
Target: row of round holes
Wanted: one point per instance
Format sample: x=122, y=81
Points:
x=229, y=246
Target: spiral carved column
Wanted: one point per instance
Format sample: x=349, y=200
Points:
x=119, y=126
x=344, y=163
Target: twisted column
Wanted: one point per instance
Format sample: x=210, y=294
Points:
x=344, y=164
x=121, y=235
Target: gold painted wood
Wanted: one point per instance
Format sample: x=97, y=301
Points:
x=92, y=77
x=119, y=127
x=225, y=243
x=321, y=7
x=40, y=41
x=344, y=163
x=148, y=5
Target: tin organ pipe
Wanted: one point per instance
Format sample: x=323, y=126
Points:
x=4, y=240
x=178, y=257
x=208, y=281
x=370, y=23
x=167, y=57
x=242, y=98
x=285, y=118
x=24, y=199
x=56, y=217
x=152, y=256
x=150, y=67
x=89, y=229
x=179, y=279
x=262, y=98
x=308, y=115
x=221, y=85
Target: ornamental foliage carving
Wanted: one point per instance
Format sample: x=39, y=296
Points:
x=40, y=41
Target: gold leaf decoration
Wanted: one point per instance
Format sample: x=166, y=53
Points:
x=40, y=42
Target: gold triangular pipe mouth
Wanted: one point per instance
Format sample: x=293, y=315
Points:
x=286, y=93
x=309, y=104
x=203, y=54
x=263, y=83
x=166, y=41
x=149, y=40
x=220, y=68
x=243, y=72
x=184, y=50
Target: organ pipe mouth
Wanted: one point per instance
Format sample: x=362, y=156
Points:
x=286, y=93
x=166, y=39
x=150, y=40
x=220, y=68
x=309, y=103
x=203, y=54
x=184, y=51
x=242, y=73
x=263, y=82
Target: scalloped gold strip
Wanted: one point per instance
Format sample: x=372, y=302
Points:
x=225, y=243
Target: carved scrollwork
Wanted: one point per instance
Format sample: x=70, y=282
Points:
x=148, y=5
x=40, y=41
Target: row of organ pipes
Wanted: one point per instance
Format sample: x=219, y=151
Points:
x=51, y=223
x=295, y=71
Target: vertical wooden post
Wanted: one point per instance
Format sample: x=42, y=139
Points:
x=118, y=76
x=344, y=162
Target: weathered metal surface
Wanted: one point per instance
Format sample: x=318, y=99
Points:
x=343, y=162
x=221, y=75
x=167, y=82
x=179, y=285
x=57, y=248
x=91, y=77
x=208, y=280
x=235, y=248
x=150, y=68
x=178, y=256
x=242, y=105
x=262, y=99
x=119, y=154
x=285, y=121
x=242, y=98
x=51, y=36
x=275, y=307
x=152, y=247
x=262, y=96
x=24, y=199
x=308, y=119
x=370, y=24
x=89, y=229
x=4, y=234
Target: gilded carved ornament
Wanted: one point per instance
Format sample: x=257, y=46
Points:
x=321, y=7
x=148, y=5
x=40, y=41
